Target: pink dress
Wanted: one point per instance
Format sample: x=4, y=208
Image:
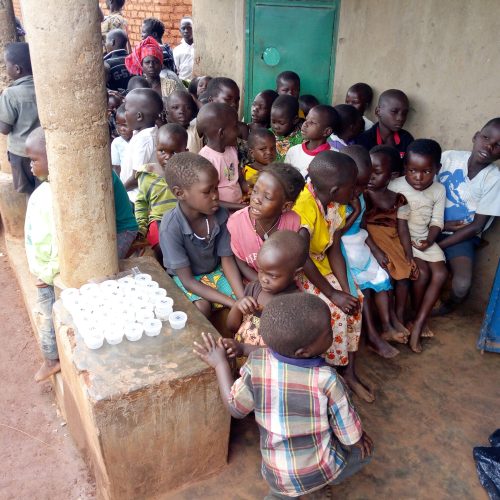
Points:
x=245, y=242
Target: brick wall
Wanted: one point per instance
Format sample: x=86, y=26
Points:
x=170, y=12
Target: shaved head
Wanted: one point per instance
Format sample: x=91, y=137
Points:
x=331, y=168
x=214, y=116
x=393, y=94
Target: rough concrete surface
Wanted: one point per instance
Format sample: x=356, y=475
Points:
x=12, y=207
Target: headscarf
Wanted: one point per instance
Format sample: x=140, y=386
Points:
x=148, y=47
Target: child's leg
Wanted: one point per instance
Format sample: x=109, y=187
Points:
x=354, y=463
x=461, y=268
x=439, y=273
x=204, y=306
x=420, y=284
x=383, y=301
x=124, y=241
x=355, y=384
x=401, y=289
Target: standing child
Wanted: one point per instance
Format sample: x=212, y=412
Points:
x=19, y=114
x=306, y=103
x=285, y=124
x=40, y=239
x=310, y=434
x=288, y=82
x=194, y=238
x=262, y=151
x=360, y=95
x=320, y=123
x=120, y=143
x=391, y=111
x=425, y=221
x=218, y=124
x=350, y=126
x=261, y=109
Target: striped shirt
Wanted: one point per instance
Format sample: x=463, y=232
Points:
x=154, y=197
x=303, y=413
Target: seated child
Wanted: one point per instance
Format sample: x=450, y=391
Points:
x=360, y=95
x=288, y=82
x=19, y=114
x=350, y=126
x=218, y=124
x=310, y=434
x=142, y=108
x=391, y=111
x=321, y=206
x=261, y=109
x=155, y=198
x=368, y=262
x=306, y=103
x=320, y=123
x=194, y=238
x=280, y=259
x=388, y=230
x=262, y=150
x=116, y=52
x=425, y=221
x=180, y=108
x=285, y=124
x=472, y=184
x=270, y=210
x=40, y=241
x=120, y=143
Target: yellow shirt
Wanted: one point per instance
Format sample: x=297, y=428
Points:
x=321, y=226
x=250, y=174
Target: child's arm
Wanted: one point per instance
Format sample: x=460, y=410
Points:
x=131, y=182
x=232, y=274
x=436, y=223
x=377, y=252
x=245, y=305
x=235, y=349
x=356, y=206
x=404, y=237
x=245, y=270
x=5, y=128
x=466, y=232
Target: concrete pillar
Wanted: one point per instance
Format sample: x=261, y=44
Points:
x=66, y=54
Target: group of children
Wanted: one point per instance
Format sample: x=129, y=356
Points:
x=309, y=224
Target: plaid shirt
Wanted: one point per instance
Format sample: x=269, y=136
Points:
x=304, y=414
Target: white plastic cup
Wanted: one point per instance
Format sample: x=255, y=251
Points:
x=158, y=293
x=109, y=286
x=89, y=289
x=142, y=277
x=114, y=335
x=143, y=314
x=152, y=327
x=164, y=302
x=162, y=313
x=94, y=341
x=177, y=320
x=133, y=331
x=126, y=281
x=69, y=295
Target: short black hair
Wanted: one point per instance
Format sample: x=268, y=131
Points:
x=19, y=53
x=137, y=82
x=392, y=94
x=289, y=177
x=364, y=90
x=120, y=37
x=193, y=86
x=288, y=103
x=151, y=101
x=269, y=95
x=292, y=246
x=293, y=321
x=215, y=86
x=183, y=169
x=307, y=101
x=288, y=76
x=348, y=115
x=330, y=168
x=494, y=121
x=120, y=110
x=153, y=25
x=174, y=130
x=361, y=157
x=212, y=116
x=37, y=135
x=393, y=155
x=259, y=133
x=330, y=114
x=425, y=147
x=119, y=3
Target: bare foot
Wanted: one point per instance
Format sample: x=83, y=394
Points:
x=359, y=389
x=382, y=348
x=427, y=332
x=49, y=367
x=414, y=342
x=398, y=326
x=395, y=335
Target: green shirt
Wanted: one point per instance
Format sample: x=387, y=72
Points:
x=284, y=143
x=124, y=213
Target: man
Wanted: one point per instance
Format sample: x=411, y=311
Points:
x=184, y=53
x=116, y=52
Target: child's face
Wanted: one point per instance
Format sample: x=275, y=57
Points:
x=267, y=200
x=275, y=273
x=11, y=69
x=230, y=96
x=420, y=171
x=392, y=113
x=486, y=145
x=261, y=110
x=314, y=128
x=281, y=122
x=203, y=195
x=362, y=180
x=264, y=150
x=113, y=103
x=356, y=99
x=381, y=172
x=151, y=67
x=344, y=193
x=122, y=128
x=202, y=85
x=290, y=87
x=180, y=110
x=168, y=145
x=38, y=156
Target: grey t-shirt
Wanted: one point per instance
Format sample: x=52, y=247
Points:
x=181, y=248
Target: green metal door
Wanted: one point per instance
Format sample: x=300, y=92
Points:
x=291, y=35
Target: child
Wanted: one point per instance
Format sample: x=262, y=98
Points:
x=262, y=150
x=114, y=102
x=311, y=435
x=360, y=95
x=142, y=108
x=218, y=123
x=350, y=126
x=116, y=52
x=321, y=206
x=368, y=262
x=472, y=184
x=288, y=82
x=320, y=123
x=285, y=124
x=261, y=109
x=180, y=108
x=280, y=260
x=306, y=103
x=147, y=60
x=391, y=111
x=119, y=144
x=388, y=230
x=194, y=238
x=42, y=252
x=155, y=198
x=19, y=114
x=270, y=210
x=425, y=221
x=137, y=82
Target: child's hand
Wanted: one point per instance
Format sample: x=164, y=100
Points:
x=234, y=349
x=365, y=444
x=421, y=244
x=345, y=301
x=454, y=225
x=381, y=258
x=247, y=305
x=213, y=353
